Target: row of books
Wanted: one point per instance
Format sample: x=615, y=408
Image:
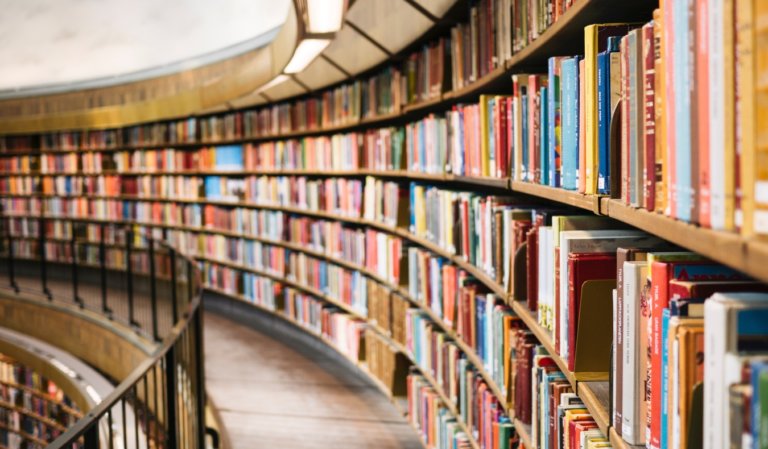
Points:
x=493, y=31
x=31, y=406
x=559, y=419
x=387, y=309
x=259, y=290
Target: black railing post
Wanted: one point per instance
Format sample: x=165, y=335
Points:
x=73, y=249
x=43, y=261
x=129, y=272
x=174, y=290
x=153, y=288
x=190, y=283
x=103, y=272
x=91, y=437
x=197, y=326
x=11, y=262
x=171, y=401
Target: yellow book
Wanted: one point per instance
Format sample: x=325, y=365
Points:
x=730, y=114
x=595, y=40
x=485, y=157
x=745, y=87
x=760, y=215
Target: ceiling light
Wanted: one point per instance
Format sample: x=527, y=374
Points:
x=305, y=53
x=325, y=16
x=279, y=79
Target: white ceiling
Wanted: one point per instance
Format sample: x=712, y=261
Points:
x=101, y=42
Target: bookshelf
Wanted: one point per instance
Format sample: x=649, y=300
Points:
x=743, y=252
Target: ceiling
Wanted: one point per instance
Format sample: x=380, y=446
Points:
x=55, y=45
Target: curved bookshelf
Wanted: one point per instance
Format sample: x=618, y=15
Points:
x=565, y=36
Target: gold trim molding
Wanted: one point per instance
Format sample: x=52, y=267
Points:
x=165, y=97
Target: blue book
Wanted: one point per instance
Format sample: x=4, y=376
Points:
x=554, y=125
x=663, y=438
x=229, y=157
x=544, y=134
x=480, y=325
x=604, y=115
x=570, y=123
x=526, y=163
x=213, y=187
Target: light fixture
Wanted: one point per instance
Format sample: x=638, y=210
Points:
x=325, y=16
x=305, y=53
x=279, y=79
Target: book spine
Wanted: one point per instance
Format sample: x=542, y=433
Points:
x=581, y=175
x=670, y=66
x=703, y=111
x=544, y=148
x=649, y=127
x=625, y=119
x=760, y=188
x=660, y=169
x=552, y=93
x=603, y=122
x=590, y=97
x=744, y=180
x=570, y=129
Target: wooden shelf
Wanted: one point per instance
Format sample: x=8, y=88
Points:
x=31, y=414
x=596, y=396
x=618, y=443
x=69, y=410
x=562, y=196
x=24, y=435
x=729, y=248
x=542, y=335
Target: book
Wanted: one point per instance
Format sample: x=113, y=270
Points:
x=595, y=41
x=583, y=268
x=731, y=320
x=570, y=123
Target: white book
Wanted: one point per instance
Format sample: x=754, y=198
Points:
x=592, y=241
x=633, y=374
x=717, y=92
x=614, y=362
x=546, y=236
x=722, y=365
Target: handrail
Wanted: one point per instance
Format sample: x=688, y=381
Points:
x=89, y=420
x=162, y=401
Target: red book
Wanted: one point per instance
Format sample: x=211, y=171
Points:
x=533, y=272
x=524, y=350
x=583, y=268
x=535, y=83
x=649, y=92
x=704, y=289
x=576, y=428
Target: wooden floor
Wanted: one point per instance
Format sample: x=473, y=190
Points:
x=278, y=394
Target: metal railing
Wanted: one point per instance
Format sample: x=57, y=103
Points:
x=134, y=279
